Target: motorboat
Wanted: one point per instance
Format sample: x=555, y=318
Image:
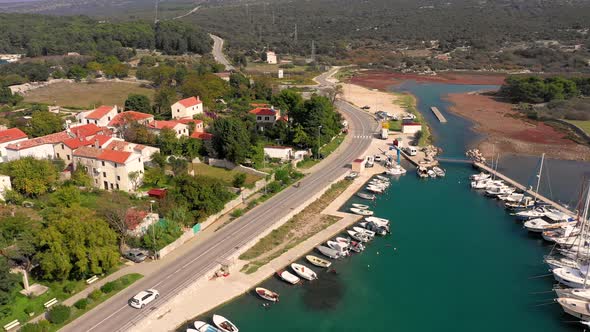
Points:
x=382, y=178
x=361, y=230
x=318, y=261
x=495, y=191
x=201, y=326
x=361, y=212
x=575, y=307
x=561, y=234
x=369, y=197
x=572, y=277
x=267, y=294
x=288, y=277
x=525, y=203
x=358, y=236
x=328, y=252
x=223, y=324
x=540, y=225
x=342, y=249
x=304, y=272
x=343, y=240
x=374, y=227
x=378, y=221
x=360, y=206
x=480, y=176
x=374, y=189
x=356, y=246
x=431, y=173
x=559, y=262
x=422, y=172
x=396, y=170
x=439, y=171
x=537, y=212
x=512, y=197
x=582, y=294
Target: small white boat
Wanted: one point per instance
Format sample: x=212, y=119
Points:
x=396, y=170
x=363, y=231
x=204, y=327
x=288, y=277
x=378, y=221
x=572, y=277
x=361, y=212
x=360, y=206
x=267, y=294
x=358, y=236
x=341, y=248
x=531, y=214
x=304, y=272
x=575, y=307
x=382, y=178
x=495, y=191
x=374, y=189
x=366, y=196
x=343, y=240
x=224, y=324
x=525, y=203
x=512, y=197
x=318, y=261
x=439, y=171
x=556, y=263
x=582, y=294
x=431, y=173
x=480, y=176
x=371, y=226
x=328, y=252
x=422, y=172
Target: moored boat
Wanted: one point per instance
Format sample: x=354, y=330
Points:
x=369, y=225
x=374, y=189
x=366, y=196
x=396, y=170
x=267, y=294
x=342, y=249
x=328, y=252
x=361, y=212
x=288, y=277
x=439, y=171
x=318, y=261
x=358, y=229
x=575, y=307
x=480, y=176
x=224, y=324
x=201, y=326
x=304, y=272
x=573, y=293
x=431, y=173
x=358, y=236
x=572, y=277
x=360, y=206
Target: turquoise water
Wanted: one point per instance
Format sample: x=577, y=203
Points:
x=460, y=263
x=456, y=261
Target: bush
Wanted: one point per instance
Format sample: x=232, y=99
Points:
x=95, y=295
x=237, y=213
x=59, y=314
x=110, y=286
x=81, y=304
x=274, y=187
x=30, y=309
x=42, y=326
x=239, y=180
x=69, y=288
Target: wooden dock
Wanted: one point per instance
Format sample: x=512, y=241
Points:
x=438, y=114
x=519, y=186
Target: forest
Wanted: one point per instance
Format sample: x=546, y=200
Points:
x=38, y=35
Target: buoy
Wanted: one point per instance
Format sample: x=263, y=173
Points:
x=394, y=248
x=377, y=253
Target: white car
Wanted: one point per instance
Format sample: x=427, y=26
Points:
x=143, y=298
x=378, y=158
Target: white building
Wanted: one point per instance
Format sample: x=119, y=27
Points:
x=283, y=153
x=100, y=116
x=271, y=58
x=267, y=116
x=138, y=221
x=5, y=185
x=187, y=108
x=179, y=128
x=39, y=148
x=411, y=128
x=7, y=137
x=111, y=169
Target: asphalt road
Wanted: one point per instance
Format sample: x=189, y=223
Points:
x=218, y=52
x=117, y=315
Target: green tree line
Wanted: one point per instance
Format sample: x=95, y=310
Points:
x=534, y=89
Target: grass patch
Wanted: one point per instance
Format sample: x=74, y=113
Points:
x=408, y=102
x=345, y=73
x=326, y=150
x=584, y=125
x=86, y=95
x=395, y=125
x=222, y=174
x=293, y=232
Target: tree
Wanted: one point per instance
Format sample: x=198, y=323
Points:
x=168, y=142
x=201, y=195
x=8, y=281
x=80, y=176
x=7, y=97
x=239, y=180
x=208, y=86
x=163, y=100
x=31, y=177
x=76, y=244
x=139, y=103
x=135, y=179
x=231, y=139
x=154, y=176
x=113, y=209
x=77, y=73
x=43, y=123
x=335, y=92
x=18, y=239
x=288, y=100
x=65, y=196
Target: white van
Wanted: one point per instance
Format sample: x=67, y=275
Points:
x=412, y=151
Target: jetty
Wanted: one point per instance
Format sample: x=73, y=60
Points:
x=519, y=186
x=438, y=114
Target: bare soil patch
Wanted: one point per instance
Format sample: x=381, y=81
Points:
x=381, y=79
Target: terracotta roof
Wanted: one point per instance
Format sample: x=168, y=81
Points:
x=203, y=136
x=129, y=116
x=87, y=152
x=263, y=111
x=187, y=121
x=117, y=145
x=114, y=156
x=11, y=134
x=155, y=192
x=99, y=112
x=134, y=217
x=161, y=124
x=102, y=139
x=48, y=139
x=74, y=143
x=87, y=130
x=188, y=102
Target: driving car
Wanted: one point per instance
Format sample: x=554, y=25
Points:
x=135, y=255
x=143, y=298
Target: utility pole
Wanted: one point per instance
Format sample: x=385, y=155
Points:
x=156, y=19
x=313, y=51
x=319, y=132
x=153, y=229
x=295, y=34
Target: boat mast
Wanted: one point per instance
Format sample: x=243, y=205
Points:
x=539, y=177
x=586, y=220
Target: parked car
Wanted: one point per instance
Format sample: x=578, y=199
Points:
x=143, y=298
x=378, y=158
x=366, y=107
x=135, y=255
x=352, y=175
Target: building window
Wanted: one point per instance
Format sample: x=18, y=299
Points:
x=93, y=170
x=266, y=118
x=178, y=110
x=62, y=146
x=258, y=118
x=112, y=187
x=104, y=174
x=117, y=185
x=103, y=163
x=58, y=155
x=118, y=178
x=116, y=165
x=67, y=156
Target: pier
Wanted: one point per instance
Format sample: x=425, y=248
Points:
x=438, y=114
x=519, y=186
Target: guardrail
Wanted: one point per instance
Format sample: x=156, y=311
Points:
x=49, y=303
x=91, y=280
x=11, y=325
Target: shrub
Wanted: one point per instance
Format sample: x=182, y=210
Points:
x=95, y=295
x=69, y=288
x=81, y=304
x=30, y=309
x=59, y=314
x=237, y=213
x=108, y=287
x=274, y=187
x=239, y=180
x=42, y=326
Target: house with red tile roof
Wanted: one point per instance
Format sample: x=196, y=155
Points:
x=179, y=128
x=187, y=108
x=144, y=151
x=100, y=116
x=267, y=116
x=126, y=117
x=111, y=169
x=138, y=221
x=7, y=137
x=40, y=147
x=89, y=130
x=65, y=150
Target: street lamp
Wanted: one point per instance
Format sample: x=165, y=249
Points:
x=153, y=228
x=319, y=132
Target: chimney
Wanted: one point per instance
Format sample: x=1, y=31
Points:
x=96, y=145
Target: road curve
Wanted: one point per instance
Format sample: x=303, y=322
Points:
x=218, y=52
x=116, y=315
